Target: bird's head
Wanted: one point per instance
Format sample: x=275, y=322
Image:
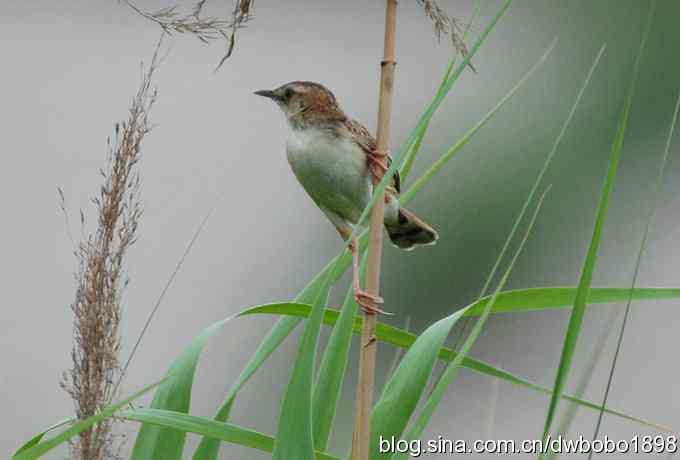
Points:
x=305, y=103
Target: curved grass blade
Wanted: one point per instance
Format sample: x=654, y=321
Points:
x=185, y=423
x=405, y=387
x=552, y=298
x=512, y=301
x=39, y=449
x=451, y=370
x=396, y=359
x=570, y=414
x=209, y=448
x=592, y=363
x=294, y=437
x=39, y=437
x=332, y=369
x=174, y=394
x=546, y=164
x=386, y=334
x=403, y=339
x=537, y=182
x=448, y=84
x=414, y=146
x=643, y=244
x=426, y=116
x=446, y=157
x=536, y=299
x=579, y=308
x=178, y=421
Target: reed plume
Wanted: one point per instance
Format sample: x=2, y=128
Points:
x=100, y=277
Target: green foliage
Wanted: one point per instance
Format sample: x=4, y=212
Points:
x=542, y=172
x=451, y=370
x=173, y=394
x=294, y=439
x=414, y=147
x=310, y=401
x=643, y=244
x=209, y=448
x=580, y=302
x=551, y=298
x=185, y=423
x=506, y=302
x=405, y=387
x=403, y=339
x=31, y=450
x=407, y=152
x=332, y=369
x=39, y=437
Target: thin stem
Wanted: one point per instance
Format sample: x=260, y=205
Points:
x=643, y=244
x=366, y=383
x=534, y=188
x=149, y=318
x=493, y=404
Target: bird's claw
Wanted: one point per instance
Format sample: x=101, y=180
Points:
x=368, y=303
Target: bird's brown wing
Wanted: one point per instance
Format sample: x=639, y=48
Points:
x=364, y=139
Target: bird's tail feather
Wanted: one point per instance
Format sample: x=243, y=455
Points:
x=409, y=231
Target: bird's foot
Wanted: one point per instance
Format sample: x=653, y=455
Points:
x=377, y=163
x=369, y=302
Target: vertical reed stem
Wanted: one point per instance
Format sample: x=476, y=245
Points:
x=365, y=385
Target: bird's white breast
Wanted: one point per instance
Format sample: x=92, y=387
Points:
x=332, y=170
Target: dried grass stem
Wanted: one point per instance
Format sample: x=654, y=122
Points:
x=367, y=357
x=205, y=28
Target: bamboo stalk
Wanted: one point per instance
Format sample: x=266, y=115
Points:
x=365, y=385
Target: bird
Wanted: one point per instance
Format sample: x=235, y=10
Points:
x=335, y=160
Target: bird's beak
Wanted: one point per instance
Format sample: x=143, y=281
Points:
x=267, y=93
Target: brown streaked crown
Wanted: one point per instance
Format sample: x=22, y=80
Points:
x=306, y=102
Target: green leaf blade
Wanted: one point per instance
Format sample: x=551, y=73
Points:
x=404, y=339
x=332, y=369
x=174, y=394
x=39, y=437
x=208, y=448
x=405, y=387
x=38, y=450
x=553, y=298
x=294, y=437
x=451, y=370
x=580, y=302
x=220, y=431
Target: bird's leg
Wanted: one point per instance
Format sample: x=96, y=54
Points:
x=377, y=164
x=367, y=301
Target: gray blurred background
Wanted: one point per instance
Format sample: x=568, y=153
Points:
x=70, y=68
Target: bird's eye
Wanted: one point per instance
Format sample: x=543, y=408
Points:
x=288, y=93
